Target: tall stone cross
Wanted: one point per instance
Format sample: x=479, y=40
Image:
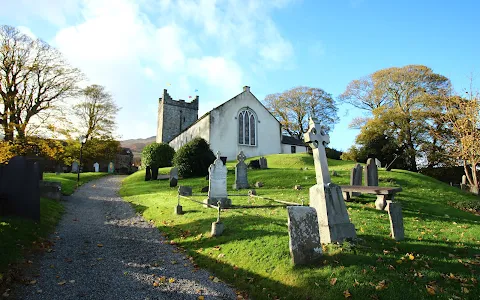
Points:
x=241, y=157
x=318, y=140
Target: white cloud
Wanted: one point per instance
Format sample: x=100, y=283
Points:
x=27, y=31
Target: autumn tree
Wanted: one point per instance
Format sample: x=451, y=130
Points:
x=401, y=99
x=34, y=77
x=96, y=112
x=294, y=107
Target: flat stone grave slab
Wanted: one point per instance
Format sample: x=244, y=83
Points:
x=384, y=194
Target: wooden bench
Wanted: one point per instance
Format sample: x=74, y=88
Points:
x=384, y=194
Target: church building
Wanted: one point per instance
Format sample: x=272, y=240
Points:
x=240, y=124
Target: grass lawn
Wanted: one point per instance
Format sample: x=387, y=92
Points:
x=69, y=180
x=439, y=258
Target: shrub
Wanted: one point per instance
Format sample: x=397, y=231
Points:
x=333, y=153
x=194, y=158
x=157, y=155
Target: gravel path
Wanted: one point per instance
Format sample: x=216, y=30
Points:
x=104, y=250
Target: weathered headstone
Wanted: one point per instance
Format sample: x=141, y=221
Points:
x=185, y=190
x=173, y=177
x=326, y=197
x=75, y=167
x=217, y=184
x=464, y=179
x=371, y=173
x=396, y=220
x=263, y=163
x=50, y=189
x=148, y=173
x=96, y=166
x=304, y=235
x=218, y=227
x=378, y=163
x=356, y=177
x=241, y=180
x=111, y=168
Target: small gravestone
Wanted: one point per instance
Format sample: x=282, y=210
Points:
x=218, y=227
x=297, y=187
x=75, y=167
x=371, y=173
x=173, y=177
x=263, y=163
x=304, y=235
x=96, y=166
x=378, y=163
x=217, y=184
x=326, y=197
x=464, y=179
x=252, y=192
x=396, y=220
x=58, y=170
x=463, y=184
x=148, y=173
x=50, y=189
x=356, y=177
x=185, y=190
x=111, y=168
x=241, y=180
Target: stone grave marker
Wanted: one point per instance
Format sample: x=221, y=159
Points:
x=304, y=235
x=263, y=163
x=75, y=167
x=173, y=177
x=241, y=180
x=464, y=179
x=378, y=163
x=111, y=168
x=148, y=173
x=96, y=166
x=326, y=197
x=185, y=190
x=463, y=184
x=396, y=220
x=217, y=184
x=371, y=173
x=218, y=227
x=356, y=177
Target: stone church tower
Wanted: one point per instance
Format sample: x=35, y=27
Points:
x=174, y=116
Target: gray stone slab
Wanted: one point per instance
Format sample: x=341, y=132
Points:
x=396, y=220
x=50, y=189
x=185, y=190
x=96, y=167
x=356, y=177
x=173, y=177
x=217, y=183
x=371, y=173
x=305, y=247
x=241, y=178
x=75, y=167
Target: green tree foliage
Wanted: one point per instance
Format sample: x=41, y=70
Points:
x=157, y=155
x=294, y=107
x=96, y=112
x=94, y=150
x=194, y=158
x=404, y=107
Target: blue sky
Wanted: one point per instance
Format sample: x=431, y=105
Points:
x=137, y=48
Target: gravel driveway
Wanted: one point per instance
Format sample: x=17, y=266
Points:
x=104, y=250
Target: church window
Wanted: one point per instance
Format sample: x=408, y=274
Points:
x=247, y=128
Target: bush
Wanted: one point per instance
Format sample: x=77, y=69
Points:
x=157, y=155
x=333, y=153
x=194, y=158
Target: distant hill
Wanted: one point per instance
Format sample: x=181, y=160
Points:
x=137, y=145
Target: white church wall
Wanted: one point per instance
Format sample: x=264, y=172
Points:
x=288, y=148
x=200, y=129
x=224, y=129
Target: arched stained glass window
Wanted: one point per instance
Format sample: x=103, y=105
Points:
x=247, y=127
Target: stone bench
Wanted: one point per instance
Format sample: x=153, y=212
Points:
x=384, y=194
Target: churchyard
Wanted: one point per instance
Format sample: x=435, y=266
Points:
x=440, y=255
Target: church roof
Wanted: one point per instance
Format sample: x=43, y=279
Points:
x=290, y=140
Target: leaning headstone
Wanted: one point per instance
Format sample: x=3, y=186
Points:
x=263, y=163
x=173, y=177
x=111, y=168
x=326, y=197
x=148, y=173
x=356, y=177
x=185, y=190
x=241, y=180
x=371, y=173
x=378, y=163
x=304, y=235
x=396, y=220
x=96, y=166
x=75, y=167
x=217, y=184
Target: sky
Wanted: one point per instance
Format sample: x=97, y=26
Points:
x=137, y=48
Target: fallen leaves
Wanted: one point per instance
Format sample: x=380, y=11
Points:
x=347, y=294
x=333, y=281
x=430, y=290
x=100, y=245
x=381, y=285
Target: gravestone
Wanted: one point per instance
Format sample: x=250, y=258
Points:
x=464, y=179
x=241, y=180
x=19, y=188
x=356, y=177
x=173, y=177
x=217, y=184
x=304, y=235
x=396, y=220
x=111, y=168
x=326, y=197
x=58, y=169
x=263, y=163
x=50, y=189
x=96, y=166
x=463, y=184
x=378, y=163
x=148, y=173
x=75, y=167
x=371, y=173
x=40, y=163
x=185, y=190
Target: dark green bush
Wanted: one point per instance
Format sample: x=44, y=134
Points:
x=194, y=158
x=157, y=155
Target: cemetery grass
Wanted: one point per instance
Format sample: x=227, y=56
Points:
x=19, y=235
x=439, y=258
x=69, y=180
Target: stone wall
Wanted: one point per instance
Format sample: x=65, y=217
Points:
x=174, y=116
x=200, y=129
